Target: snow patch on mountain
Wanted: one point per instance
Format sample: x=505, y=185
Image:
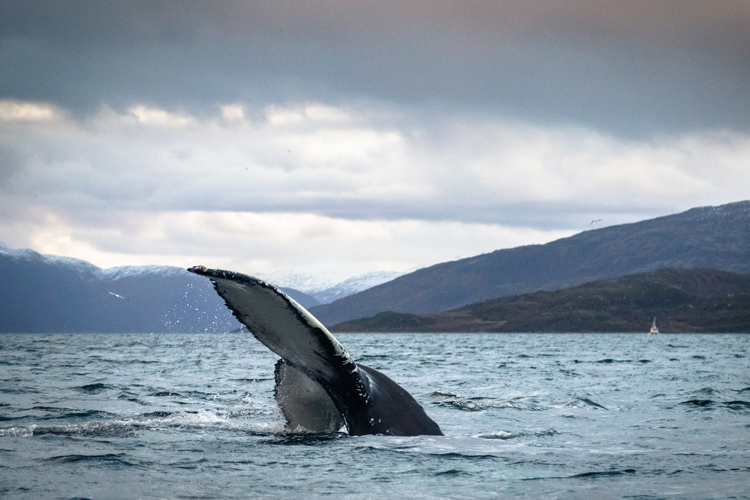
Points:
x=77, y=264
x=84, y=267
x=5, y=250
x=117, y=273
x=307, y=283
x=353, y=285
x=55, y=260
x=326, y=290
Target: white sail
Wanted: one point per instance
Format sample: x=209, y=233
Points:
x=654, y=330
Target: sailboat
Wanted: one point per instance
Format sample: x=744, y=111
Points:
x=654, y=330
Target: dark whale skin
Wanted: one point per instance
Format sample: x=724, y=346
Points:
x=368, y=401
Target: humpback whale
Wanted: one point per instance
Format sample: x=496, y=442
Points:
x=319, y=387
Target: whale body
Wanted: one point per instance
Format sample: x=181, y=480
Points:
x=319, y=387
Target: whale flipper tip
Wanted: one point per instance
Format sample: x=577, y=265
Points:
x=202, y=270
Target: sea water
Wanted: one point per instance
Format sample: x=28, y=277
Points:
x=524, y=416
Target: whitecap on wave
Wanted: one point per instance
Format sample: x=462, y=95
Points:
x=127, y=427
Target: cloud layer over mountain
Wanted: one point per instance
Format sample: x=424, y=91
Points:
x=331, y=137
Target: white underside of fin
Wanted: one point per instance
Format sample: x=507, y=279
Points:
x=304, y=403
x=285, y=327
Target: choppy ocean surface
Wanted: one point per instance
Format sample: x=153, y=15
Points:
x=524, y=416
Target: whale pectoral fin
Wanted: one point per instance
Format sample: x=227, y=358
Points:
x=304, y=402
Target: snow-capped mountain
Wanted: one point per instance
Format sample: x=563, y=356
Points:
x=129, y=271
x=326, y=290
x=307, y=283
x=353, y=285
x=49, y=293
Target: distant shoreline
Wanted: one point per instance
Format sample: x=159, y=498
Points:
x=683, y=300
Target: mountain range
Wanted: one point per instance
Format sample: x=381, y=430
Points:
x=48, y=293
x=685, y=301
x=44, y=293
x=706, y=237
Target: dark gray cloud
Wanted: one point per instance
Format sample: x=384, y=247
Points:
x=634, y=67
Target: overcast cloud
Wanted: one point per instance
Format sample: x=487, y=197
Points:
x=336, y=138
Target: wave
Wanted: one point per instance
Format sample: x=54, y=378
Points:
x=586, y=402
x=476, y=404
x=94, y=388
x=128, y=427
x=504, y=435
x=611, y=360
x=56, y=412
x=303, y=438
x=482, y=404
x=606, y=473
x=709, y=404
x=106, y=461
x=452, y=473
x=426, y=446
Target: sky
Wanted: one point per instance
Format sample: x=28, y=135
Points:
x=328, y=138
